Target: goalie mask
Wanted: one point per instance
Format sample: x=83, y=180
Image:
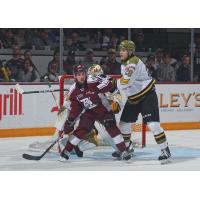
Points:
x=95, y=70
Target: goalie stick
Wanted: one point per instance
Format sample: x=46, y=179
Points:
x=32, y=157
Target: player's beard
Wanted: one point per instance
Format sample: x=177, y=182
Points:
x=81, y=84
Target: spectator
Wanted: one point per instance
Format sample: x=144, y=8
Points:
x=139, y=42
x=105, y=43
x=51, y=38
x=110, y=65
x=1, y=44
x=158, y=57
x=56, y=58
x=40, y=39
x=89, y=58
x=16, y=63
x=197, y=58
x=69, y=62
x=4, y=72
x=28, y=55
x=76, y=43
x=69, y=44
x=165, y=71
x=183, y=72
x=8, y=39
x=28, y=73
x=52, y=73
x=113, y=42
x=19, y=37
x=106, y=39
x=150, y=64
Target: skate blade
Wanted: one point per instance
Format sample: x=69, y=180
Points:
x=63, y=160
x=166, y=161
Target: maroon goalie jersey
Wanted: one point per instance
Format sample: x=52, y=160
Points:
x=87, y=97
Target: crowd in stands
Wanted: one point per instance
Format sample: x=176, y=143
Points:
x=161, y=64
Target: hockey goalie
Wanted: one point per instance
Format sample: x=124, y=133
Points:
x=97, y=135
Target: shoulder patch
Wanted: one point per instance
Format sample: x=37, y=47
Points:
x=133, y=60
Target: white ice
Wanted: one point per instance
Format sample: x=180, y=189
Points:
x=184, y=145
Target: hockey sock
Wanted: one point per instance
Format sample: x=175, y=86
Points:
x=161, y=140
x=71, y=143
x=117, y=137
x=125, y=128
x=127, y=138
x=158, y=133
x=119, y=142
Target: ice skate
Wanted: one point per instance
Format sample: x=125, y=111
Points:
x=64, y=156
x=165, y=156
x=129, y=149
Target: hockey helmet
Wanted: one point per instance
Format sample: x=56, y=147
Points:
x=128, y=45
x=78, y=68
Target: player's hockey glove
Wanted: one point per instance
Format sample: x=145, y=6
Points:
x=69, y=126
x=115, y=107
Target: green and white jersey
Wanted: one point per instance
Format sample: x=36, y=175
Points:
x=135, y=81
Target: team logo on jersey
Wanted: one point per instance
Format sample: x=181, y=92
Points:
x=129, y=69
x=88, y=103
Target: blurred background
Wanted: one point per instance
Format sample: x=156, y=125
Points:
x=29, y=55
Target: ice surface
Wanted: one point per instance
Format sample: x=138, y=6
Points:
x=185, y=149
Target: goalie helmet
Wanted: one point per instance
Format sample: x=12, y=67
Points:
x=95, y=70
x=128, y=45
x=78, y=68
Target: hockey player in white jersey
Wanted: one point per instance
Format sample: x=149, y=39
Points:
x=138, y=86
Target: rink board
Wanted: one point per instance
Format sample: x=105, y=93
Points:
x=34, y=114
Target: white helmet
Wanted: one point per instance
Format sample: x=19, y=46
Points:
x=95, y=70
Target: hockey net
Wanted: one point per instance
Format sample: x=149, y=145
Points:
x=65, y=81
x=139, y=127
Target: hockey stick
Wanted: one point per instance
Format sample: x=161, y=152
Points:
x=49, y=85
x=21, y=91
x=32, y=157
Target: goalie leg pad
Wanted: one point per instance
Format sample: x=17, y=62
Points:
x=104, y=138
x=61, y=119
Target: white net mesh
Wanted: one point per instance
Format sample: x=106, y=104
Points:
x=66, y=82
